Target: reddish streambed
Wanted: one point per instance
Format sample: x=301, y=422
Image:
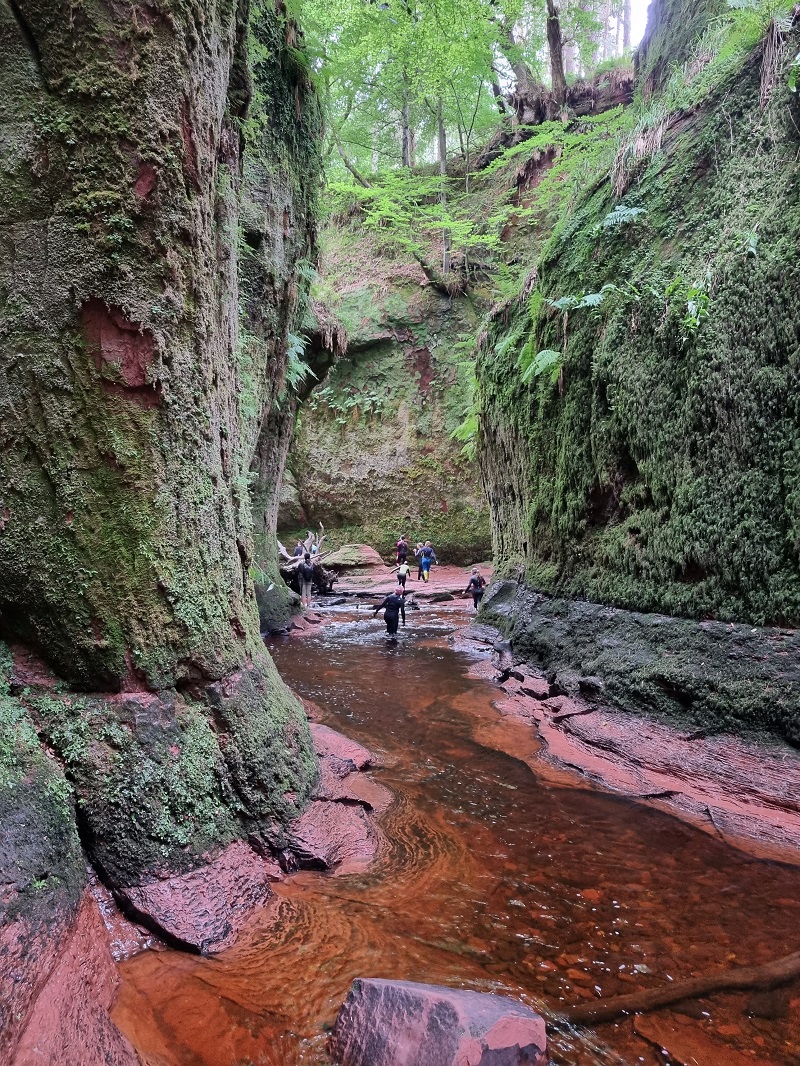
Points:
x=493, y=879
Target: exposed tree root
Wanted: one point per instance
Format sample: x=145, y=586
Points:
x=743, y=978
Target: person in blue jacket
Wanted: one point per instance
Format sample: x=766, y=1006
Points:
x=427, y=556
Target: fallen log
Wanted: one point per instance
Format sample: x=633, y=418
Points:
x=323, y=580
x=292, y=563
x=743, y=978
x=311, y=541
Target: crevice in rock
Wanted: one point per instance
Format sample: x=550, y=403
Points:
x=30, y=41
x=131, y=912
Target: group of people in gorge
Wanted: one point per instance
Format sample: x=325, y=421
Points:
x=393, y=605
x=423, y=553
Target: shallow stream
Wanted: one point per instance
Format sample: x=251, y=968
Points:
x=493, y=879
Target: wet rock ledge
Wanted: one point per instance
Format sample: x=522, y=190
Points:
x=693, y=717
x=717, y=676
x=57, y=975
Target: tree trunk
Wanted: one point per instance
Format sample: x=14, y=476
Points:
x=570, y=65
x=129, y=405
x=442, y=144
x=525, y=83
x=768, y=975
x=626, y=17
x=406, y=132
x=606, y=53
x=499, y=99
x=556, y=47
x=362, y=181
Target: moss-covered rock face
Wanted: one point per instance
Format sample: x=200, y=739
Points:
x=373, y=453
x=673, y=30
x=717, y=676
x=159, y=166
x=42, y=866
x=661, y=472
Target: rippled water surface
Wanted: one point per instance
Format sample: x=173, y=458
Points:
x=493, y=880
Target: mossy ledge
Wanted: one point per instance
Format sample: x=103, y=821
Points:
x=714, y=677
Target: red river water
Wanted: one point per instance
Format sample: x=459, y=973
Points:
x=492, y=879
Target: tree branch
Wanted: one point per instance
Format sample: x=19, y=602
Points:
x=770, y=975
x=362, y=181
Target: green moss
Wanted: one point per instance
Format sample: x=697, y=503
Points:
x=136, y=177
x=662, y=478
x=41, y=863
x=162, y=781
x=373, y=450
x=149, y=779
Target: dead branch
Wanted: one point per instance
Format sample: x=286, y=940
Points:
x=292, y=563
x=743, y=978
x=283, y=552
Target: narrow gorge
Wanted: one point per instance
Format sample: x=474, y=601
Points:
x=521, y=280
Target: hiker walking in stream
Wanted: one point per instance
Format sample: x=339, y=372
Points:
x=477, y=583
x=393, y=608
x=306, y=571
x=403, y=570
x=402, y=551
x=418, y=557
x=427, y=556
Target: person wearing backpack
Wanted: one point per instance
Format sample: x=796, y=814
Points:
x=476, y=585
x=306, y=571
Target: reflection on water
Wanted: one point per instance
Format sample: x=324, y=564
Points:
x=494, y=881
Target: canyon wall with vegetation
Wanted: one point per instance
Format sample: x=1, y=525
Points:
x=374, y=455
x=639, y=395
x=160, y=166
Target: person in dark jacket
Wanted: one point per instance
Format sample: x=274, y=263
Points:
x=476, y=586
x=299, y=550
x=306, y=571
x=393, y=608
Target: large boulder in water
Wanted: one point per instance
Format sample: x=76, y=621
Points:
x=399, y=1023
x=354, y=557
